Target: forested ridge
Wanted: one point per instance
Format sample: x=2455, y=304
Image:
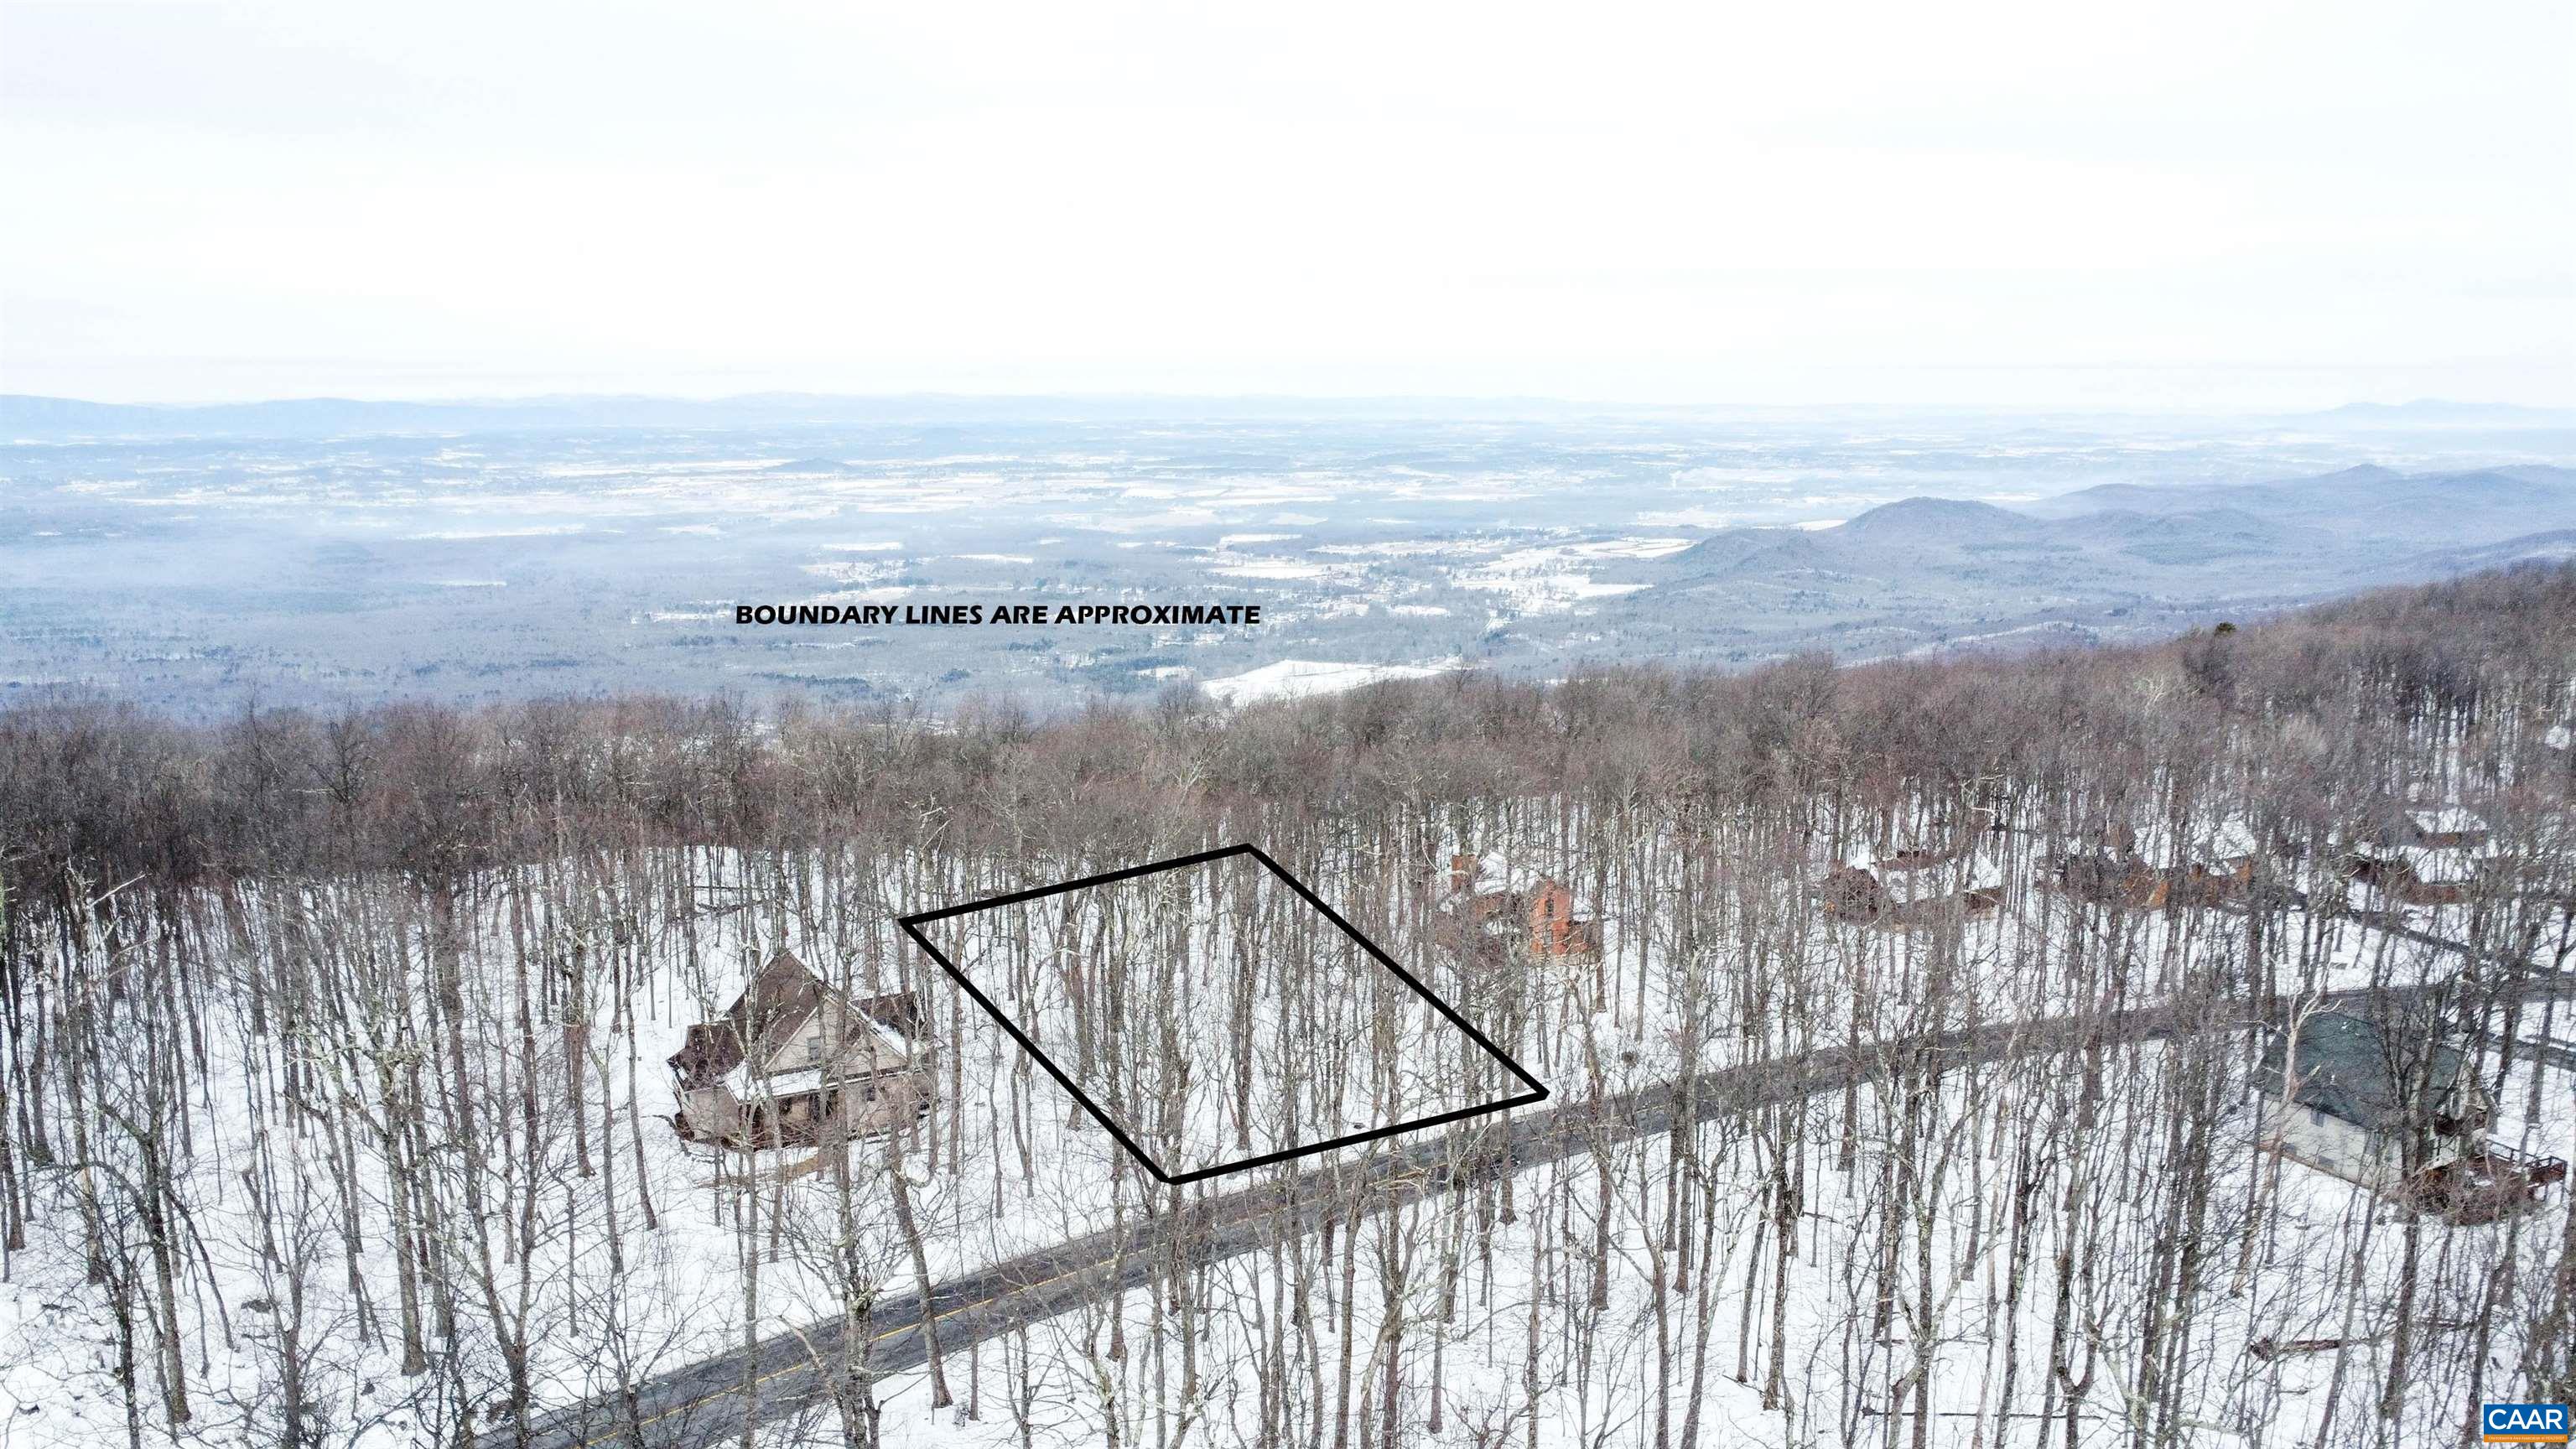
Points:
x=335, y=1110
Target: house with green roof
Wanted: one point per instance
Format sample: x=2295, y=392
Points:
x=2369, y=1103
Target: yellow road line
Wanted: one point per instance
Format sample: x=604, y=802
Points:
x=911, y=1327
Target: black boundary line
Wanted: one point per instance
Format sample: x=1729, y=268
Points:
x=912, y=926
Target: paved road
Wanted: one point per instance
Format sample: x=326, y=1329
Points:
x=704, y=1403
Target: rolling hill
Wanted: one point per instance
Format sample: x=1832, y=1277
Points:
x=2106, y=561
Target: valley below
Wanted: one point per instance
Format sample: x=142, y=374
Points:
x=478, y=556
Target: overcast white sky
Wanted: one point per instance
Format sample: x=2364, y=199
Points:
x=2172, y=205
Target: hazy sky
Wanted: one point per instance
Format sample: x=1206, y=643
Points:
x=2195, y=205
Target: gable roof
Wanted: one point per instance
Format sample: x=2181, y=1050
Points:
x=2346, y=1067
x=775, y=1004
x=773, y=1007
x=1496, y=874
x=2230, y=839
x=2447, y=820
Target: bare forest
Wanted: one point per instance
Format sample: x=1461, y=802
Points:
x=1926, y=1046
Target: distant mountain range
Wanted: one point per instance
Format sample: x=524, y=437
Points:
x=30, y=418
x=2316, y=520
x=2356, y=502
x=2437, y=412
x=2100, y=557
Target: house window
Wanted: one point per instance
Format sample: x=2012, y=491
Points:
x=814, y=1049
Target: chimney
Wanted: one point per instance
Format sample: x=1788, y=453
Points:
x=1462, y=871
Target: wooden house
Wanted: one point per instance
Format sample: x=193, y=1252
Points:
x=793, y=1057
x=2446, y=827
x=1956, y=842
x=2394, y=879
x=2425, y=857
x=2112, y=880
x=2217, y=866
x=1849, y=893
x=1908, y=890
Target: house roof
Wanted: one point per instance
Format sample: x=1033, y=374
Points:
x=1938, y=882
x=773, y=1006
x=1496, y=875
x=2345, y=1066
x=746, y=1086
x=776, y=1003
x=2230, y=839
x=2448, y=863
x=2447, y=820
x=2440, y=866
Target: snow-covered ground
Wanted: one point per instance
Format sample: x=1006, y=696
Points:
x=2282, y=1332
x=1217, y=1017
x=1302, y=678
x=292, y=1146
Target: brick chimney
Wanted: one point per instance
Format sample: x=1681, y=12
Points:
x=1462, y=872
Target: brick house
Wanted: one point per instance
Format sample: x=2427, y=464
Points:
x=1491, y=900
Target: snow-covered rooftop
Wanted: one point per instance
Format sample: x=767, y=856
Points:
x=2446, y=820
